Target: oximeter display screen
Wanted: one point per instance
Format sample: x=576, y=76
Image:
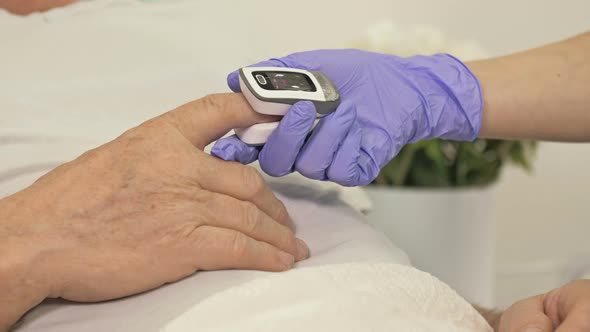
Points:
x=277, y=80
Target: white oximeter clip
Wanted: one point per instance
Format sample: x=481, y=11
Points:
x=273, y=90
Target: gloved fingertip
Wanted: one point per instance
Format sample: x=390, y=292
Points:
x=278, y=155
x=304, y=106
x=233, y=81
x=309, y=170
x=301, y=115
x=270, y=167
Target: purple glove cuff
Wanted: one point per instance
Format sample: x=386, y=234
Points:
x=451, y=98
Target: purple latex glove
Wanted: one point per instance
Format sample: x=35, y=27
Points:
x=386, y=103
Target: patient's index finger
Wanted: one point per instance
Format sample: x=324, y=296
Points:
x=207, y=119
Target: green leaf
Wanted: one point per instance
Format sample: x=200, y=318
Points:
x=438, y=163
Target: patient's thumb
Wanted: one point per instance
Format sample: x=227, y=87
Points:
x=207, y=119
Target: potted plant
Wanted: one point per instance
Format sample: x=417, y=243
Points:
x=435, y=198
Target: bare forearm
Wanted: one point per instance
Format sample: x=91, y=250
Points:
x=23, y=282
x=543, y=93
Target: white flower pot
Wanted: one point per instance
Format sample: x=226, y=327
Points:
x=448, y=233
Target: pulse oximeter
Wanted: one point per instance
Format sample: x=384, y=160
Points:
x=272, y=90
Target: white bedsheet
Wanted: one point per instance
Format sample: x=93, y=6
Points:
x=355, y=280
x=334, y=232
x=77, y=77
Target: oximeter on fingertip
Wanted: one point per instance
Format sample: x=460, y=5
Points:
x=273, y=90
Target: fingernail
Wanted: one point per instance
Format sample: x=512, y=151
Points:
x=302, y=250
x=286, y=259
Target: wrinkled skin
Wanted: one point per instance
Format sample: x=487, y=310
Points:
x=146, y=209
x=565, y=309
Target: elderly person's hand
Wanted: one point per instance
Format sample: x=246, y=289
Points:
x=146, y=209
x=565, y=309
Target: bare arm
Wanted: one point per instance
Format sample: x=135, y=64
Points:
x=24, y=282
x=542, y=93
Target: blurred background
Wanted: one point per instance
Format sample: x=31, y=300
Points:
x=522, y=233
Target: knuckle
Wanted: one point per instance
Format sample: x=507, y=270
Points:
x=206, y=198
x=186, y=230
x=535, y=320
x=282, y=214
x=213, y=102
x=253, y=182
x=251, y=217
x=288, y=240
x=239, y=245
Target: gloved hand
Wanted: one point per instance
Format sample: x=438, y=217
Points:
x=386, y=103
